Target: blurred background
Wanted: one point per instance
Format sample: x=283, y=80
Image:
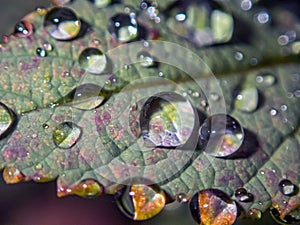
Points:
x=35, y=204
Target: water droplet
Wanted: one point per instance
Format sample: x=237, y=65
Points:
x=221, y=135
x=93, y=60
x=266, y=80
x=262, y=172
x=238, y=56
x=160, y=74
x=273, y=112
x=41, y=52
x=41, y=10
x=146, y=59
x=246, y=5
x=214, y=96
x=283, y=40
x=288, y=219
x=283, y=107
x=167, y=120
x=7, y=120
x=12, y=175
x=247, y=99
x=254, y=214
x=181, y=197
x=123, y=27
x=286, y=187
x=263, y=17
x=48, y=47
x=211, y=206
x=62, y=23
x=140, y=201
x=297, y=93
x=66, y=135
x=243, y=196
x=38, y=167
x=88, y=188
x=45, y=126
x=23, y=29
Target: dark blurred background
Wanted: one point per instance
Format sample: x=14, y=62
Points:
x=36, y=204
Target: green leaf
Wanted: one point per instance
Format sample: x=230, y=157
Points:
x=59, y=134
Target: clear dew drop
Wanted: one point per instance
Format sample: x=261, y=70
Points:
x=123, y=27
x=7, y=120
x=88, y=188
x=93, y=60
x=101, y=3
x=40, y=10
x=262, y=17
x=211, y=206
x=273, y=112
x=242, y=195
x=254, y=214
x=247, y=99
x=66, y=135
x=221, y=135
x=246, y=5
x=214, y=96
x=41, y=52
x=23, y=29
x=141, y=201
x=146, y=60
x=181, y=197
x=62, y=23
x=286, y=187
x=12, y=175
x=45, y=126
x=266, y=80
x=162, y=121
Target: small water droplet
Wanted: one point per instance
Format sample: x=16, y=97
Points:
x=140, y=201
x=41, y=52
x=286, y=187
x=247, y=99
x=262, y=172
x=283, y=107
x=38, y=167
x=12, y=175
x=23, y=29
x=222, y=131
x=243, y=196
x=238, y=56
x=101, y=3
x=254, y=214
x=7, y=120
x=123, y=27
x=66, y=135
x=181, y=197
x=93, y=60
x=41, y=10
x=263, y=17
x=62, y=23
x=283, y=40
x=88, y=188
x=162, y=123
x=214, y=96
x=246, y=5
x=297, y=93
x=160, y=74
x=146, y=59
x=273, y=112
x=48, y=47
x=45, y=126
x=213, y=205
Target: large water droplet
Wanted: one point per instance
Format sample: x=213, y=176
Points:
x=88, y=188
x=221, y=135
x=7, y=120
x=62, y=23
x=286, y=187
x=288, y=219
x=243, y=196
x=23, y=29
x=66, y=135
x=123, y=27
x=93, y=60
x=140, y=201
x=167, y=120
x=12, y=175
x=213, y=207
x=247, y=99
